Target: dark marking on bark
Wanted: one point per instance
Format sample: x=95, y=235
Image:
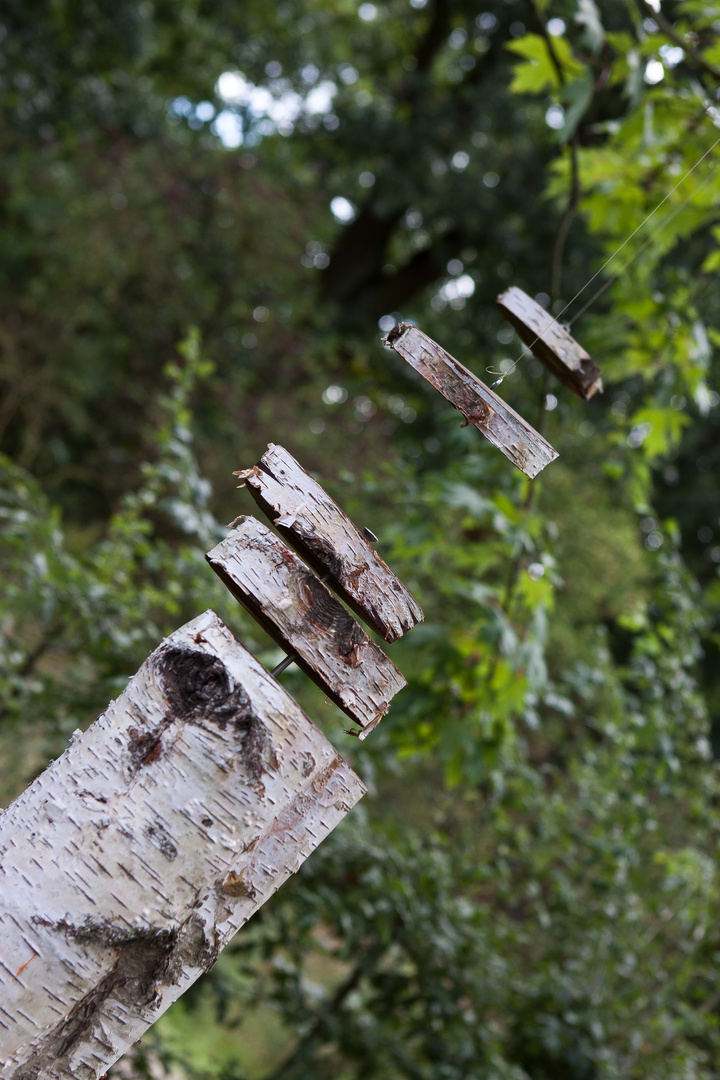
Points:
x=85, y=794
x=329, y=614
x=198, y=687
x=308, y=764
x=258, y=749
x=327, y=556
x=159, y=838
x=207, y=822
x=144, y=747
x=235, y=885
x=200, y=691
x=102, y=931
x=149, y=959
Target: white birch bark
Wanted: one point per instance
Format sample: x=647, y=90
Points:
x=551, y=343
x=304, y=617
x=493, y=417
x=330, y=543
x=133, y=859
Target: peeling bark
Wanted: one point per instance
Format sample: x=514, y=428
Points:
x=128, y=865
x=304, y=617
x=329, y=542
x=551, y=343
x=500, y=424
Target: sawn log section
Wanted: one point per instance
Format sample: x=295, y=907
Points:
x=329, y=542
x=303, y=616
x=551, y=343
x=133, y=859
x=501, y=425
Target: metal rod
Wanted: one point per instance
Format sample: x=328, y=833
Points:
x=284, y=664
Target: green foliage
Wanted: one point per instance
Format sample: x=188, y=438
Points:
x=80, y=612
x=531, y=891
x=542, y=69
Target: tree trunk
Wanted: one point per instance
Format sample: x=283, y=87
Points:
x=132, y=860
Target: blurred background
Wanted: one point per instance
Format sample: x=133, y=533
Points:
x=211, y=216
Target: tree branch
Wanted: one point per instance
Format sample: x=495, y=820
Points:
x=308, y=1042
x=565, y=223
x=669, y=31
x=540, y=19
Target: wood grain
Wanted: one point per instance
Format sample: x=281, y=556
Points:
x=302, y=615
x=501, y=425
x=551, y=343
x=326, y=538
x=130, y=863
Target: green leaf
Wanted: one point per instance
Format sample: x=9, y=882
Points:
x=665, y=429
x=538, y=72
x=579, y=94
x=588, y=16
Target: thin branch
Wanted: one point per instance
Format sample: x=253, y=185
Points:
x=669, y=31
x=368, y=962
x=540, y=18
x=33, y=656
x=565, y=223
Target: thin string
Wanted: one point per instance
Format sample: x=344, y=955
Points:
x=615, y=253
x=611, y=280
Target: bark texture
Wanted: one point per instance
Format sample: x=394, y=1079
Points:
x=501, y=425
x=551, y=343
x=304, y=617
x=329, y=542
x=133, y=859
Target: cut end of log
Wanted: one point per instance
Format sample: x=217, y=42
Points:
x=551, y=343
x=303, y=617
x=493, y=417
x=325, y=537
x=395, y=333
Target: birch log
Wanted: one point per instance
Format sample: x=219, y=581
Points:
x=303, y=616
x=132, y=860
x=329, y=542
x=500, y=424
x=551, y=343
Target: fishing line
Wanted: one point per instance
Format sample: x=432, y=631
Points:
x=615, y=253
x=643, y=246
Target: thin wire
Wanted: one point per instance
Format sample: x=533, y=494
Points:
x=289, y=659
x=611, y=280
x=615, y=253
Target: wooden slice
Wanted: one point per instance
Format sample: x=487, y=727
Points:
x=302, y=615
x=130, y=863
x=327, y=539
x=500, y=424
x=551, y=343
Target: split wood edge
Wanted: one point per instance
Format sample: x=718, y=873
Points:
x=128, y=865
x=551, y=343
x=326, y=538
x=301, y=614
x=493, y=417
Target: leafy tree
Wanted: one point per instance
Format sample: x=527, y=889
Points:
x=531, y=890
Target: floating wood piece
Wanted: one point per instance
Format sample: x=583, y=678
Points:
x=129, y=864
x=329, y=542
x=302, y=615
x=500, y=424
x=551, y=343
